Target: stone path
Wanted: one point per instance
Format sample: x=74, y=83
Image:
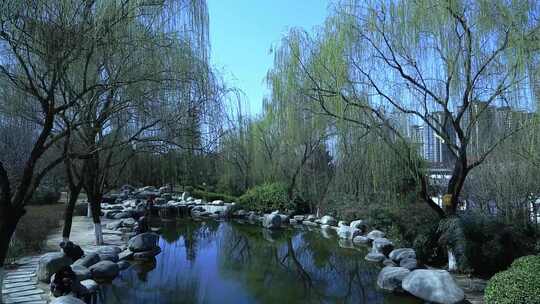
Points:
x=20, y=284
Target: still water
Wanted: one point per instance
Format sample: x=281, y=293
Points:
x=227, y=262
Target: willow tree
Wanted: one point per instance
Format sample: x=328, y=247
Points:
x=442, y=63
x=139, y=70
x=40, y=41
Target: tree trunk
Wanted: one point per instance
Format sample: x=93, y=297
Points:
x=1, y=282
x=7, y=229
x=68, y=213
x=452, y=262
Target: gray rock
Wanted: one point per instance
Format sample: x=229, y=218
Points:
x=310, y=223
x=328, y=220
x=50, y=263
x=109, y=250
x=436, y=286
x=361, y=240
x=271, y=221
x=389, y=262
x=382, y=245
x=342, y=223
x=125, y=255
x=104, y=270
x=146, y=255
x=375, y=257
x=299, y=218
x=390, y=278
x=359, y=224
x=293, y=221
x=81, y=272
x=346, y=232
x=284, y=218
x=88, y=260
x=409, y=263
x=90, y=285
x=375, y=234
x=129, y=222
x=122, y=215
x=123, y=265
x=109, y=257
x=311, y=218
x=114, y=225
x=143, y=242
x=402, y=253
x=67, y=300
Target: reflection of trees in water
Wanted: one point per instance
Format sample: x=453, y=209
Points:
x=297, y=268
x=169, y=279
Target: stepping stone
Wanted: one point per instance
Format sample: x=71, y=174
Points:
x=17, y=280
x=18, y=289
x=21, y=271
x=25, y=293
x=13, y=285
x=22, y=300
x=18, y=276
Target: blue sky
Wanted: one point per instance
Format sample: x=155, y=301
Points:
x=243, y=31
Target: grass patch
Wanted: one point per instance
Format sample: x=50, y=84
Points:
x=33, y=229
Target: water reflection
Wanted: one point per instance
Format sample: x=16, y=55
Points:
x=225, y=262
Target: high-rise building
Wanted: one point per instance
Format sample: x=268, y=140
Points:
x=437, y=137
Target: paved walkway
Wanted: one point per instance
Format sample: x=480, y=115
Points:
x=20, y=284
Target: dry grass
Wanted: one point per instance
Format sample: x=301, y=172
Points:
x=33, y=229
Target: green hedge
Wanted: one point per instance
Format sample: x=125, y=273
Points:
x=267, y=198
x=519, y=284
x=213, y=196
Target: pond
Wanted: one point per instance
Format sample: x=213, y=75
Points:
x=229, y=262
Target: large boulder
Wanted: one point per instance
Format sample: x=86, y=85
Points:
x=409, y=263
x=50, y=263
x=88, y=260
x=402, y=253
x=104, y=270
x=361, y=240
x=437, y=286
x=81, y=272
x=390, y=278
x=146, y=255
x=67, y=300
x=143, y=242
x=271, y=221
x=375, y=257
x=346, y=232
x=328, y=220
x=299, y=218
x=122, y=265
x=90, y=285
x=359, y=224
x=311, y=218
x=375, y=234
x=125, y=255
x=382, y=245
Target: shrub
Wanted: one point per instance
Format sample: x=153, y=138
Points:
x=43, y=196
x=33, y=229
x=519, y=284
x=492, y=245
x=527, y=263
x=267, y=197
